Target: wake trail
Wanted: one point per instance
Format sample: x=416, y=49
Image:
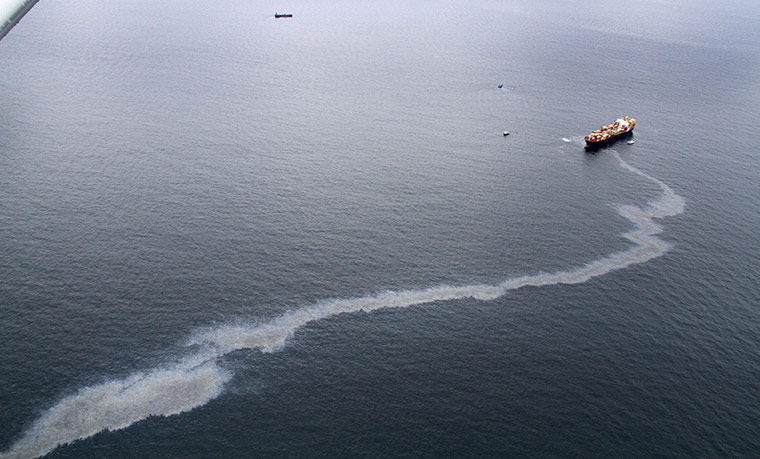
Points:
x=198, y=377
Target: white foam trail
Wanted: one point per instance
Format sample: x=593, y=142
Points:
x=198, y=379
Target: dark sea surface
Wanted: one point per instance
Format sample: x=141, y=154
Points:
x=228, y=235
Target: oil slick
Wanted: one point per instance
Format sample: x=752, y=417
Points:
x=198, y=378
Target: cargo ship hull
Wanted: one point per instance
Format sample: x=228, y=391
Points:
x=605, y=135
x=610, y=140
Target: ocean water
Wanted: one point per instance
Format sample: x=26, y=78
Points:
x=228, y=235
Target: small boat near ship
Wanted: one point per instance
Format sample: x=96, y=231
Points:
x=283, y=15
x=606, y=135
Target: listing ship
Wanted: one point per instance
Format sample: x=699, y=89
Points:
x=608, y=134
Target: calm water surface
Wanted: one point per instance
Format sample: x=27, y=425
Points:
x=225, y=235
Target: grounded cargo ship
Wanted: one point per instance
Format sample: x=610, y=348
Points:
x=608, y=134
